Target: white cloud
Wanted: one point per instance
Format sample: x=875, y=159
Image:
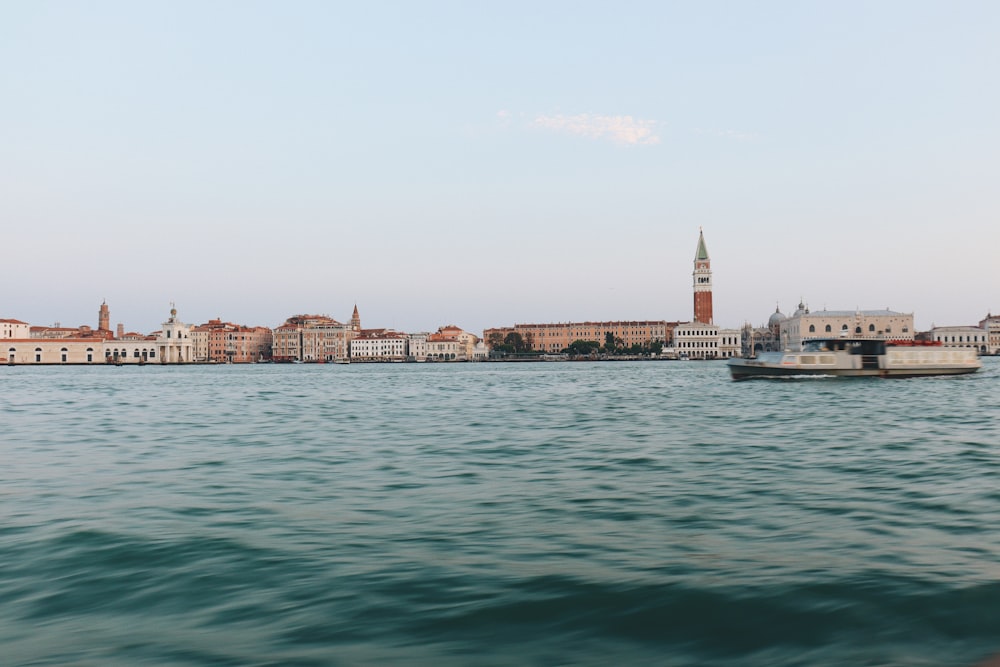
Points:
x=619, y=129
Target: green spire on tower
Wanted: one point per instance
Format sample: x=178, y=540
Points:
x=701, y=255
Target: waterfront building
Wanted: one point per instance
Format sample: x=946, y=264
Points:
x=466, y=341
x=80, y=345
x=378, y=345
x=416, y=346
x=53, y=351
x=14, y=329
x=766, y=338
x=699, y=340
x=444, y=349
x=992, y=325
x=556, y=337
x=312, y=338
x=173, y=341
x=976, y=338
x=224, y=342
x=803, y=325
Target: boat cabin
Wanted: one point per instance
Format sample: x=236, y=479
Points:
x=865, y=346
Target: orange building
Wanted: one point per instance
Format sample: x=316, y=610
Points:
x=224, y=342
x=557, y=337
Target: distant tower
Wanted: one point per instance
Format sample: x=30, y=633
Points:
x=104, y=318
x=356, y=319
x=702, y=282
x=121, y=331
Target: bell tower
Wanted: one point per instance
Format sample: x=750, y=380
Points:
x=104, y=318
x=702, y=282
x=356, y=319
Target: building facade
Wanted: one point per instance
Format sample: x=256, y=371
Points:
x=378, y=345
x=976, y=338
x=224, y=342
x=85, y=345
x=311, y=338
x=173, y=343
x=698, y=340
x=992, y=325
x=416, y=346
x=552, y=338
x=14, y=329
x=803, y=325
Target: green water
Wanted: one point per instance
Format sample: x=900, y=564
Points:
x=496, y=514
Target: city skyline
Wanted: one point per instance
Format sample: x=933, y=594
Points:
x=486, y=166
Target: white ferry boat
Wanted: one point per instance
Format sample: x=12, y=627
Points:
x=858, y=357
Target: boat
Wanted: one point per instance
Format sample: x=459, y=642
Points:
x=858, y=357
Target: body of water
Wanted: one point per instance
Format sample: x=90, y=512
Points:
x=649, y=513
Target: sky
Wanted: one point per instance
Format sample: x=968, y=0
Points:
x=485, y=164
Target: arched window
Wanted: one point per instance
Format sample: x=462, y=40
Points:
x=63, y=352
x=812, y=328
x=857, y=330
x=90, y=354
x=843, y=328
x=38, y=355
x=829, y=328
x=871, y=328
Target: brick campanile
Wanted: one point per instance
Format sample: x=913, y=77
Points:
x=702, y=282
x=104, y=318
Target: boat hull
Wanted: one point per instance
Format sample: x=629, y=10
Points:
x=741, y=372
x=857, y=359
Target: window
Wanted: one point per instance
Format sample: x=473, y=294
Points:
x=812, y=328
x=829, y=328
x=871, y=328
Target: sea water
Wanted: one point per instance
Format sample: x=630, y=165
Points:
x=647, y=513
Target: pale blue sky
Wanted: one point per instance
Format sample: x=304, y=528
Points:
x=489, y=163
